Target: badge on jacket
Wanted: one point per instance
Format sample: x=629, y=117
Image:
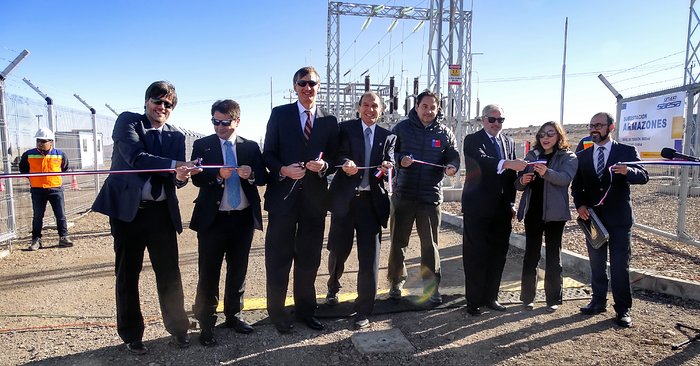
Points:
x=436, y=143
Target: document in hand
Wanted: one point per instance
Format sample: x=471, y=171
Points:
x=593, y=228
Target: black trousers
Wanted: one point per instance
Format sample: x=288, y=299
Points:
x=152, y=230
x=295, y=236
x=620, y=246
x=484, y=251
x=427, y=217
x=229, y=237
x=553, y=281
x=361, y=219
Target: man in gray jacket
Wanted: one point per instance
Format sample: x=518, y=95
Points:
x=417, y=194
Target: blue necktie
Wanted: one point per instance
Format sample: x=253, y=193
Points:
x=233, y=183
x=368, y=152
x=601, y=162
x=156, y=180
x=496, y=146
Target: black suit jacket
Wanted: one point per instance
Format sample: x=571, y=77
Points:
x=120, y=195
x=284, y=145
x=210, y=192
x=485, y=191
x=587, y=189
x=352, y=147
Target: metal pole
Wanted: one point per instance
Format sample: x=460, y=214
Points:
x=94, y=139
x=563, y=73
x=4, y=141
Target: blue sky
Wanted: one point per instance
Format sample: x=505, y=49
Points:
x=108, y=52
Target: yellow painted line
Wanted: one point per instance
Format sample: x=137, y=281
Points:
x=260, y=303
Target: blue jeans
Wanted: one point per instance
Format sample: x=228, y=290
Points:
x=39, y=198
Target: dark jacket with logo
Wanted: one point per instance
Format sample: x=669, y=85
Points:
x=435, y=144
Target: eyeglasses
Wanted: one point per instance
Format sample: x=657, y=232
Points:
x=303, y=83
x=550, y=133
x=597, y=126
x=494, y=119
x=165, y=104
x=40, y=141
x=223, y=122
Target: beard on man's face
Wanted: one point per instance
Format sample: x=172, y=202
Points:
x=598, y=137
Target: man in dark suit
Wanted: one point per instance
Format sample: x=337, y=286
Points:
x=299, y=137
x=488, y=199
x=360, y=203
x=588, y=189
x=226, y=214
x=143, y=213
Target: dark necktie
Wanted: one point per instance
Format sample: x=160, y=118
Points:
x=307, y=126
x=496, y=146
x=233, y=183
x=156, y=180
x=368, y=152
x=601, y=162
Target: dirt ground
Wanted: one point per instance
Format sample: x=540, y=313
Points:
x=57, y=307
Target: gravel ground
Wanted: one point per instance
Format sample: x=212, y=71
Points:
x=57, y=307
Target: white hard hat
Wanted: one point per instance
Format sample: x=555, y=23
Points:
x=44, y=134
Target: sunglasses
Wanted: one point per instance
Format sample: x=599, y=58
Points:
x=494, y=119
x=223, y=122
x=597, y=126
x=550, y=133
x=165, y=104
x=303, y=83
x=43, y=141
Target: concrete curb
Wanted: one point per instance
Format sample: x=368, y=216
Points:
x=640, y=279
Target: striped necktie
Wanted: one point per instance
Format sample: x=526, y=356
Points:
x=307, y=126
x=601, y=162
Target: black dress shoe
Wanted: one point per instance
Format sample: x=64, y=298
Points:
x=474, y=310
x=593, y=308
x=495, y=305
x=182, y=341
x=239, y=325
x=136, y=347
x=312, y=323
x=624, y=319
x=284, y=327
x=206, y=338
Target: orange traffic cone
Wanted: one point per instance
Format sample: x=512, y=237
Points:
x=74, y=184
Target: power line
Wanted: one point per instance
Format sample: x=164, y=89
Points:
x=646, y=63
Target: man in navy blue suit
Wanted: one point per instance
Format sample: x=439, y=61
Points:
x=226, y=214
x=598, y=173
x=360, y=203
x=300, y=138
x=143, y=213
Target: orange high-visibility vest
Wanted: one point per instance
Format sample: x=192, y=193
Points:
x=40, y=163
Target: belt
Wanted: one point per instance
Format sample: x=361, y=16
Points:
x=232, y=212
x=147, y=204
x=362, y=193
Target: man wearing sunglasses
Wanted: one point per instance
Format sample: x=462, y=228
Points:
x=418, y=192
x=597, y=173
x=488, y=200
x=144, y=214
x=300, y=138
x=44, y=159
x=226, y=214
